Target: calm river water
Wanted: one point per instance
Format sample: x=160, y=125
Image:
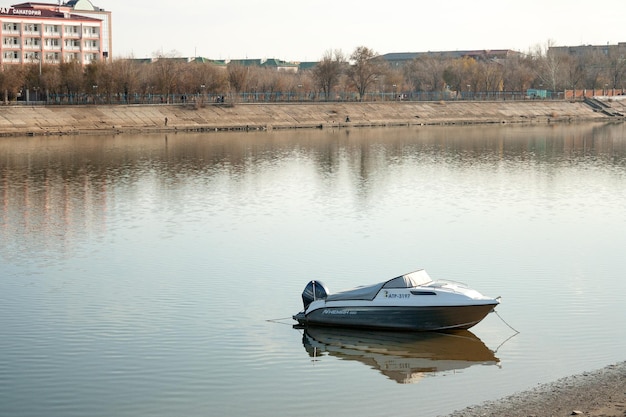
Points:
x=156, y=275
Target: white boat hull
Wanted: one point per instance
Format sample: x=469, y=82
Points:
x=415, y=318
x=408, y=302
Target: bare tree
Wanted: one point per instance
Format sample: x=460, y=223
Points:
x=472, y=71
x=518, y=73
x=98, y=81
x=462, y=72
x=165, y=74
x=432, y=70
x=270, y=82
x=238, y=77
x=328, y=71
x=11, y=79
x=125, y=78
x=292, y=84
x=50, y=79
x=32, y=78
x=594, y=63
x=305, y=84
x=491, y=74
x=550, y=66
x=214, y=79
x=414, y=76
x=616, y=68
x=574, y=72
x=394, y=82
x=366, y=67
x=71, y=74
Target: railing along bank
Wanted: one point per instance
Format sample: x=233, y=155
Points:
x=290, y=97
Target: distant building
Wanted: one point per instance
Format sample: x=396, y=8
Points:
x=179, y=60
x=307, y=65
x=616, y=50
x=273, y=63
x=54, y=33
x=399, y=59
x=202, y=60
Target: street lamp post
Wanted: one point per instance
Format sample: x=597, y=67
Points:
x=40, y=59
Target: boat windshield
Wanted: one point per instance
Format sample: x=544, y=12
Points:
x=368, y=292
x=410, y=280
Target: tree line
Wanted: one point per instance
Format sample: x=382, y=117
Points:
x=362, y=75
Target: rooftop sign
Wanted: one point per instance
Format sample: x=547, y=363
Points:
x=20, y=12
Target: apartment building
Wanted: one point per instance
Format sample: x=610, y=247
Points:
x=617, y=51
x=51, y=34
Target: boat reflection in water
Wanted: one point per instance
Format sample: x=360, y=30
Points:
x=405, y=357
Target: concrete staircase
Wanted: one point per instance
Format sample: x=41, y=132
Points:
x=602, y=107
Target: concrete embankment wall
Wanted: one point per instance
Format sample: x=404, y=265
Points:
x=94, y=119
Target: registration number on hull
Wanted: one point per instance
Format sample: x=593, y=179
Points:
x=394, y=295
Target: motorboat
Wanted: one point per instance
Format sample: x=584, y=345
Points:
x=411, y=301
x=404, y=357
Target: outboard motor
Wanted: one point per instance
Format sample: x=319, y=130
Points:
x=314, y=290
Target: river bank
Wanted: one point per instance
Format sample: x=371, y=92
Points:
x=600, y=393
x=117, y=119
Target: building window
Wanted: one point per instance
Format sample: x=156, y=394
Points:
x=10, y=27
x=72, y=43
x=31, y=42
x=10, y=41
x=52, y=57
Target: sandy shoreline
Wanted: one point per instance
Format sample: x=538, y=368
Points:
x=597, y=393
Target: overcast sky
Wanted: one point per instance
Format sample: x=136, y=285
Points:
x=304, y=30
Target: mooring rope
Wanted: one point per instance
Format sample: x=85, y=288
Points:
x=503, y=321
x=508, y=338
x=280, y=320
